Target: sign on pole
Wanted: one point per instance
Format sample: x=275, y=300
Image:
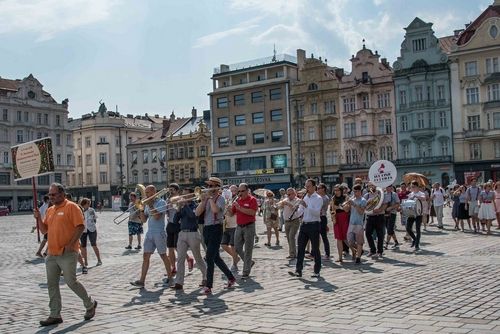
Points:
x=32, y=159
x=382, y=173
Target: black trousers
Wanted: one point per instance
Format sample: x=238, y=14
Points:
x=212, y=234
x=409, y=229
x=309, y=232
x=375, y=223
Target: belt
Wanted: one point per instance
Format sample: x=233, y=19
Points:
x=190, y=230
x=310, y=222
x=487, y=202
x=245, y=225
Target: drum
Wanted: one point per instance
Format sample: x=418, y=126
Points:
x=411, y=207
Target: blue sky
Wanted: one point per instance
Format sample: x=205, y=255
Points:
x=157, y=56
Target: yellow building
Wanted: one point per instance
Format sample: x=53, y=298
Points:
x=475, y=87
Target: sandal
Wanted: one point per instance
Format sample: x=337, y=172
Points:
x=85, y=270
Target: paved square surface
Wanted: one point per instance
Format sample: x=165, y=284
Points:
x=451, y=286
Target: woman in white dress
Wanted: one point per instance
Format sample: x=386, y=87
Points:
x=487, y=206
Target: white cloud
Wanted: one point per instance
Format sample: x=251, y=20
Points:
x=46, y=18
x=212, y=39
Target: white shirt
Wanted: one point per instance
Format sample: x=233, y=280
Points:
x=43, y=209
x=312, y=212
x=438, y=197
x=289, y=212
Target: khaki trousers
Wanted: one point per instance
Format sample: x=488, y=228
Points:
x=291, y=229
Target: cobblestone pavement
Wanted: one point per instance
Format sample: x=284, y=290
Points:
x=451, y=286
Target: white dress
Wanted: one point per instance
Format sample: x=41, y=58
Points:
x=487, y=210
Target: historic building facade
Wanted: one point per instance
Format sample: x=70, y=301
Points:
x=101, y=163
x=30, y=113
x=367, y=115
x=315, y=120
x=475, y=82
x=250, y=115
x=423, y=105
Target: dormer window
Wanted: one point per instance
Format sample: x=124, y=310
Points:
x=31, y=94
x=313, y=86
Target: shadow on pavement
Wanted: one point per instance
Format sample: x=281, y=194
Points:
x=35, y=261
x=131, y=251
x=145, y=296
x=69, y=329
x=249, y=285
x=320, y=283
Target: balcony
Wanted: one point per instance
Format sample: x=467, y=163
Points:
x=491, y=105
x=426, y=133
x=424, y=161
x=363, y=138
x=359, y=165
x=474, y=133
x=421, y=104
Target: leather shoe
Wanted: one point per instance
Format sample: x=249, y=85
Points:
x=50, y=321
x=177, y=286
x=90, y=312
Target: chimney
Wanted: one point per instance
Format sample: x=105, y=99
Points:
x=384, y=61
x=172, y=116
x=457, y=32
x=301, y=58
x=193, y=112
x=166, y=127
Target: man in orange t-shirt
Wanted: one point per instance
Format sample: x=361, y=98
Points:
x=64, y=224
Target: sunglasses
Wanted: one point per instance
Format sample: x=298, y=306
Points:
x=53, y=194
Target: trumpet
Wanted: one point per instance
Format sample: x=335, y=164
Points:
x=176, y=200
x=346, y=202
x=139, y=203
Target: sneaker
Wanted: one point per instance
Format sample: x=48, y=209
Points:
x=177, y=286
x=380, y=255
x=396, y=245
x=138, y=284
x=99, y=263
x=326, y=258
x=128, y=247
x=230, y=283
x=85, y=270
x=267, y=244
x=370, y=254
x=315, y=275
x=90, y=312
x=190, y=262
x=138, y=247
x=358, y=260
x=168, y=281
x=50, y=321
x=207, y=291
x=289, y=257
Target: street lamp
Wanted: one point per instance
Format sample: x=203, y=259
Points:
x=299, y=156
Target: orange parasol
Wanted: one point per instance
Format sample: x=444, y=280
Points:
x=262, y=192
x=421, y=179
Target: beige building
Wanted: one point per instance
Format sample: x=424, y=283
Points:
x=101, y=162
x=315, y=120
x=475, y=86
x=30, y=113
x=367, y=114
x=179, y=152
x=250, y=115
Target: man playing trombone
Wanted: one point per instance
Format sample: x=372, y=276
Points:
x=156, y=237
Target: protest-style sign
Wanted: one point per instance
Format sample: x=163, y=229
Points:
x=32, y=159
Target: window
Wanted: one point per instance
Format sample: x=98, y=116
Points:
x=300, y=134
x=275, y=94
x=429, y=93
x=46, y=119
x=154, y=156
x=440, y=92
x=276, y=136
x=58, y=139
x=239, y=100
x=239, y=120
x=494, y=92
x=103, y=140
x=470, y=68
x=419, y=93
x=5, y=178
x=402, y=97
x=87, y=142
x=442, y=119
x=38, y=135
x=20, y=136
x=312, y=86
x=154, y=177
x=145, y=176
x=312, y=133
x=475, y=151
x=364, y=128
x=385, y=126
x=257, y=97
x=258, y=138
x=331, y=131
x=383, y=100
x=365, y=101
x=39, y=119
x=88, y=178
x=222, y=102
x=190, y=152
x=364, y=77
x=103, y=177
x=405, y=151
x=497, y=149
x=351, y=156
x=301, y=111
x=279, y=161
x=103, y=158
x=276, y=115
x=223, y=166
x=134, y=158
x=404, y=123
x=241, y=140
x=386, y=152
x=250, y=163
x=419, y=44
x=424, y=150
x=19, y=116
x=258, y=117
x=349, y=104
x=203, y=151
x=69, y=159
x=145, y=157
x=223, y=122
x=26, y=117
x=445, y=148
x=58, y=120
x=163, y=154
x=224, y=142
x=331, y=158
x=69, y=140
x=312, y=159
x=163, y=175
x=314, y=108
x=5, y=115
x=349, y=130
x=330, y=107
x=420, y=121
x=472, y=95
x=58, y=177
x=180, y=153
x=492, y=65
x=496, y=120
x=5, y=157
x=88, y=160
x=473, y=122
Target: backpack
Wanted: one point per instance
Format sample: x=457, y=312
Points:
x=411, y=208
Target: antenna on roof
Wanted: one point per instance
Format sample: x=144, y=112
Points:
x=274, y=53
x=364, y=44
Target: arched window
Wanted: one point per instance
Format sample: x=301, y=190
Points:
x=312, y=86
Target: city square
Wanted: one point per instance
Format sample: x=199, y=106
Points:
x=450, y=286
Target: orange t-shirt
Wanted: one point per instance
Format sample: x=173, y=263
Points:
x=62, y=221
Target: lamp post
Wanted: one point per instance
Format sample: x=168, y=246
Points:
x=299, y=157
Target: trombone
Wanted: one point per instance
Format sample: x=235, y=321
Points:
x=139, y=204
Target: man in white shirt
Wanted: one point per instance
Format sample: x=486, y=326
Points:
x=437, y=196
x=292, y=211
x=309, y=229
x=416, y=194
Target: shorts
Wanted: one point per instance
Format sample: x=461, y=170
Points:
x=92, y=236
x=135, y=228
x=228, y=236
x=172, y=234
x=156, y=241
x=355, y=235
x=272, y=223
x=473, y=209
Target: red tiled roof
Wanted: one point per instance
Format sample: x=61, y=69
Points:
x=8, y=84
x=446, y=43
x=156, y=136
x=466, y=35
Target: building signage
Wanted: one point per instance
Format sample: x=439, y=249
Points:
x=265, y=171
x=33, y=158
x=258, y=179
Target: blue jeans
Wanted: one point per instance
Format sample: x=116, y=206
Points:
x=212, y=234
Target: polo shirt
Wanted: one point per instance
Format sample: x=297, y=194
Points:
x=249, y=202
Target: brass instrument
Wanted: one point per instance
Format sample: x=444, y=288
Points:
x=376, y=201
x=346, y=202
x=139, y=203
x=176, y=200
